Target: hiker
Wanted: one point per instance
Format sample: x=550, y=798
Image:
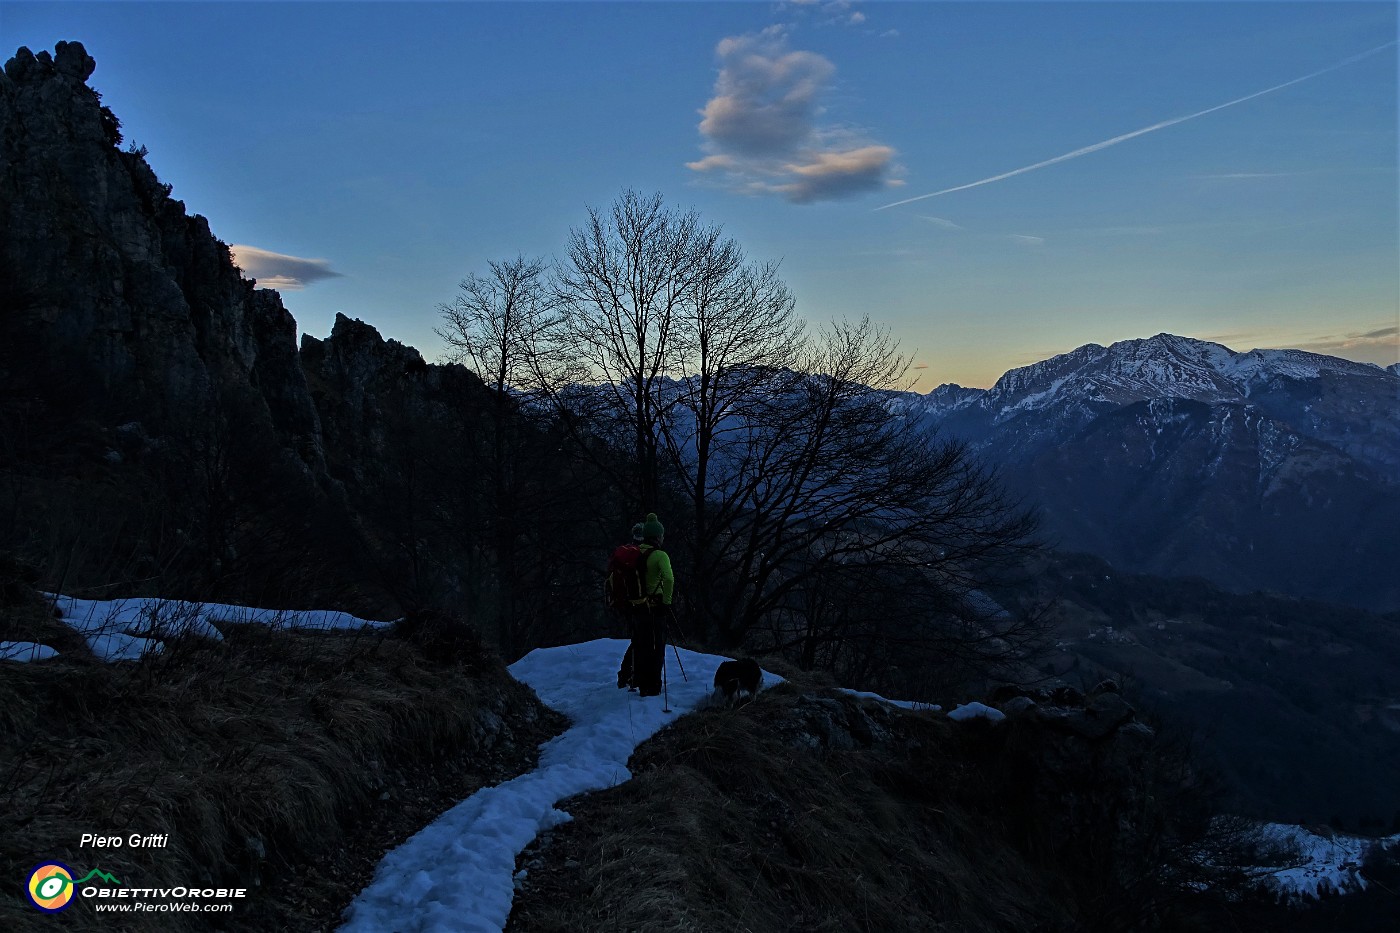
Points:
x=625, y=556
x=649, y=617
x=639, y=587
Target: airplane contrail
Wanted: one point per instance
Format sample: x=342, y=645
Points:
x=1146, y=129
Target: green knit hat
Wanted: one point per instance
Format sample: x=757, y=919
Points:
x=652, y=527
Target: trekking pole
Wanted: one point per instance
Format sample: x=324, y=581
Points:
x=676, y=651
x=676, y=619
x=665, y=687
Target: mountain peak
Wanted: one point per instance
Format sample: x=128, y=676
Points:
x=1160, y=366
x=1174, y=345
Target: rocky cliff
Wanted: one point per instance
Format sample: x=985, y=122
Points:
x=116, y=303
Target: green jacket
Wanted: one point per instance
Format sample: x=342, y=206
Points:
x=660, y=579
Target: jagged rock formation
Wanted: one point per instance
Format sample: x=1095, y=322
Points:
x=364, y=387
x=1272, y=469
x=134, y=353
x=117, y=302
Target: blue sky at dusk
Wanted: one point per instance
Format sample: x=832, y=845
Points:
x=386, y=150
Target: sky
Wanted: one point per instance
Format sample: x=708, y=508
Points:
x=995, y=182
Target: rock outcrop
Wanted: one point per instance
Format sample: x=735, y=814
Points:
x=116, y=303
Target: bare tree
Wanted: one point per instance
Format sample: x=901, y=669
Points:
x=738, y=338
x=841, y=531
x=677, y=366
x=497, y=327
x=628, y=275
x=496, y=324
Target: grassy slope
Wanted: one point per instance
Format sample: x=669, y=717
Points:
x=284, y=762
x=762, y=819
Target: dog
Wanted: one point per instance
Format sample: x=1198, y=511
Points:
x=735, y=678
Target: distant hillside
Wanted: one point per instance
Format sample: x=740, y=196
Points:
x=1296, y=700
x=1273, y=469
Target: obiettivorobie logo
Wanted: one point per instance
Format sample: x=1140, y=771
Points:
x=51, y=885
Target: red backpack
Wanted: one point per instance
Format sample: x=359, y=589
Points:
x=626, y=580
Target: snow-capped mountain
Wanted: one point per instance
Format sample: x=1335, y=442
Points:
x=1352, y=406
x=1270, y=469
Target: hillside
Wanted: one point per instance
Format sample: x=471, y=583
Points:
x=1294, y=700
x=273, y=752
x=1272, y=469
x=253, y=752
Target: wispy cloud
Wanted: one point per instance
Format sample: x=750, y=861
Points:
x=1234, y=340
x=1145, y=130
x=1378, y=334
x=1384, y=338
x=1379, y=345
x=829, y=175
x=765, y=100
x=279, y=271
x=942, y=222
x=1027, y=240
x=763, y=132
x=833, y=12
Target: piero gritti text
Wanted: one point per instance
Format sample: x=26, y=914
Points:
x=133, y=841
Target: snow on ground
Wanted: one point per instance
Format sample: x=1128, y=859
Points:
x=457, y=874
x=25, y=651
x=1333, y=861
x=976, y=710
x=123, y=629
x=903, y=704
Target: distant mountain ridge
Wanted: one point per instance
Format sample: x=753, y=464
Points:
x=1333, y=400
x=1267, y=469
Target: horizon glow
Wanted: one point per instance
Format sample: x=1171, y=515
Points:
x=406, y=145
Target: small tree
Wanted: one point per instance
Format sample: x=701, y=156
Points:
x=497, y=326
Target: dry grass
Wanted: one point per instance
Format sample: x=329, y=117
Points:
x=726, y=828
x=258, y=755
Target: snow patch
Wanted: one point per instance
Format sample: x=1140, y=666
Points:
x=25, y=651
x=125, y=629
x=1333, y=862
x=902, y=704
x=976, y=710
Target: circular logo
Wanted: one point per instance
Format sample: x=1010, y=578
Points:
x=51, y=887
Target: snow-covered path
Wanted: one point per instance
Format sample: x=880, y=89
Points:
x=457, y=873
